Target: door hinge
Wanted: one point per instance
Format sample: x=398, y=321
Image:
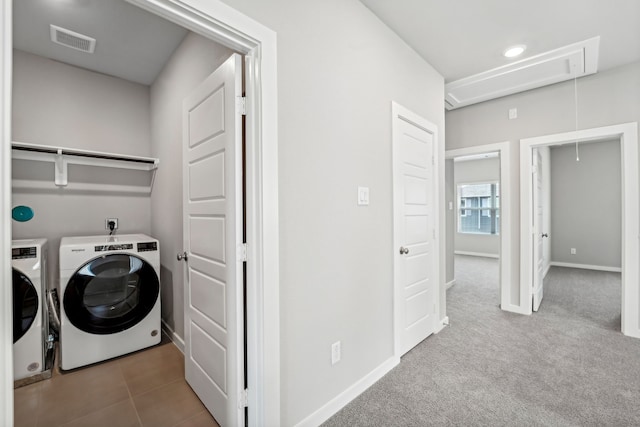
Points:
x=433, y=161
x=243, y=402
x=241, y=105
x=242, y=252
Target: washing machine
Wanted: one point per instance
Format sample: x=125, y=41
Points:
x=30, y=315
x=109, y=297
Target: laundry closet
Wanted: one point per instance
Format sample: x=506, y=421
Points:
x=121, y=116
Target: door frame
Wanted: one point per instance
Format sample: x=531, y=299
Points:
x=506, y=212
x=398, y=112
x=627, y=133
x=217, y=21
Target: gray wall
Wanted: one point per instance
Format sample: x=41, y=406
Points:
x=607, y=98
x=61, y=105
x=194, y=60
x=586, y=204
x=339, y=68
x=469, y=172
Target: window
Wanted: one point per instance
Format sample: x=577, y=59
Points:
x=463, y=203
x=479, y=208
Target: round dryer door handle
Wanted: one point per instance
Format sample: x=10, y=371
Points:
x=182, y=256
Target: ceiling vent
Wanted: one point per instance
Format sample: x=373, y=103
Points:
x=72, y=39
x=576, y=60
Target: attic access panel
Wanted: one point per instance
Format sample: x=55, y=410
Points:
x=576, y=60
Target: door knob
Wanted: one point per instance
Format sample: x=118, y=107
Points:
x=182, y=256
x=403, y=250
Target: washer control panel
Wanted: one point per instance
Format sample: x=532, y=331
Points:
x=147, y=246
x=24, y=253
x=114, y=247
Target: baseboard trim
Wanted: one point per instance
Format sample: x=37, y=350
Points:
x=587, y=266
x=341, y=400
x=443, y=324
x=451, y=283
x=514, y=309
x=480, y=254
x=546, y=270
x=177, y=339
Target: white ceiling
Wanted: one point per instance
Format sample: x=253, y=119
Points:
x=460, y=38
x=131, y=43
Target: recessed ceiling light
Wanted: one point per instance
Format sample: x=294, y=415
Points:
x=514, y=51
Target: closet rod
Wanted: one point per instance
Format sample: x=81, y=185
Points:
x=81, y=153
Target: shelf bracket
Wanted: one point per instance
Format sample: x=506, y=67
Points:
x=60, y=176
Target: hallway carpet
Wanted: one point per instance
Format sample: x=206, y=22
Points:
x=567, y=365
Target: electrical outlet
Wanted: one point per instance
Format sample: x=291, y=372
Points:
x=335, y=352
x=573, y=251
x=108, y=220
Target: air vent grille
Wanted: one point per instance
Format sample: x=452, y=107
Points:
x=72, y=39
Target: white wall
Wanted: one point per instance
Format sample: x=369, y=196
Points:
x=61, y=105
x=450, y=219
x=339, y=68
x=470, y=172
x=586, y=202
x=194, y=60
x=606, y=98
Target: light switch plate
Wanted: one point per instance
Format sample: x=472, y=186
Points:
x=363, y=196
x=335, y=352
x=513, y=113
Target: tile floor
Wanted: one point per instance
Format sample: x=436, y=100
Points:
x=146, y=388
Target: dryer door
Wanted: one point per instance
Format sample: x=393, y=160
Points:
x=25, y=304
x=111, y=294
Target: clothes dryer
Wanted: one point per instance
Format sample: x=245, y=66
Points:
x=30, y=315
x=109, y=297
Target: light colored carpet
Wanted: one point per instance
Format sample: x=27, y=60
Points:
x=567, y=365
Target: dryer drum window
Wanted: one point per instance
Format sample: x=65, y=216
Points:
x=25, y=304
x=111, y=294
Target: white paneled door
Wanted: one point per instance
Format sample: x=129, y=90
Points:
x=416, y=290
x=538, y=223
x=212, y=209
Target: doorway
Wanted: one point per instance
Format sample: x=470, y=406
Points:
x=475, y=216
x=627, y=135
x=258, y=43
x=577, y=198
x=503, y=241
